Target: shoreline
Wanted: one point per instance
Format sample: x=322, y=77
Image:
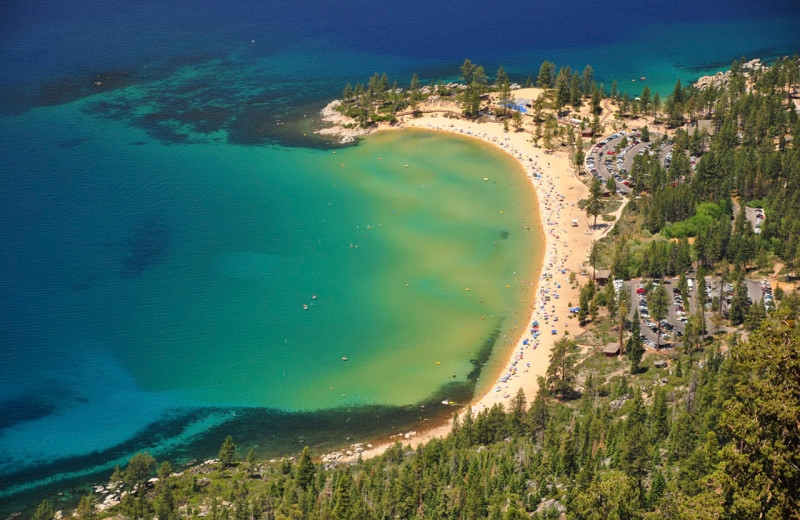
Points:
x=556, y=191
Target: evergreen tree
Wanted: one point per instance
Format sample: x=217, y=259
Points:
x=561, y=372
x=738, y=307
x=659, y=421
x=164, y=470
x=251, y=461
x=634, y=454
x=415, y=84
x=575, y=91
x=86, y=509
x=656, y=104
x=546, y=78
x=227, y=452
x=761, y=459
x=467, y=72
x=505, y=95
x=587, y=77
x=611, y=185
x=635, y=346
x=501, y=77
x=658, y=304
x=644, y=100
x=562, y=88
x=138, y=470
x=516, y=413
x=594, y=205
x=44, y=511
x=623, y=307
x=480, y=79
x=344, y=502
x=305, y=469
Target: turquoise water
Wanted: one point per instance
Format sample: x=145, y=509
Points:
x=164, y=218
x=228, y=279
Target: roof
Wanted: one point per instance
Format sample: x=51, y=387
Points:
x=602, y=273
x=611, y=348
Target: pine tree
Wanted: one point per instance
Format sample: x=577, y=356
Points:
x=762, y=455
x=501, y=77
x=467, y=72
x=545, y=78
x=594, y=205
x=644, y=100
x=305, y=469
x=575, y=91
x=656, y=104
x=344, y=502
x=659, y=418
x=595, y=103
x=138, y=470
x=738, y=307
x=587, y=78
x=164, y=471
x=415, y=84
x=227, y=452
x=657, y=303
x=635, y=345
x=561, y=372
x=44, y=511
x=85, y=509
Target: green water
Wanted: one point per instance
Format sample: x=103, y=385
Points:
x=388, y=250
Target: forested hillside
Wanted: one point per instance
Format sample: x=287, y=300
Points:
x=744, y=156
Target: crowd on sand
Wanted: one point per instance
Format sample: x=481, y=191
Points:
x=556, y=193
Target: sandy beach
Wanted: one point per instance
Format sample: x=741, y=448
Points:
x=557, y=192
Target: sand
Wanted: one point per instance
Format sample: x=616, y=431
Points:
x=558, y=190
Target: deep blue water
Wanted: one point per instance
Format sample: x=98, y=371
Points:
x=185, y=74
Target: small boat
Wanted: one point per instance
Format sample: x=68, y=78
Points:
x=643, y=78
x=344, y=358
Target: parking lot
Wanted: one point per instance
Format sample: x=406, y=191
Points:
x=754, y=215
x=756, y=292
x=672, y=327
x=604, y=163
